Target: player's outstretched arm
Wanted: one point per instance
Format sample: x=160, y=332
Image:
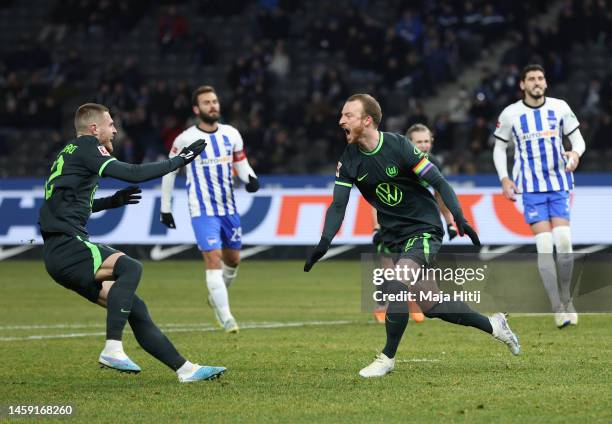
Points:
x=148, y=171
x=437, y=181
x=333, y=221
x=167, y=186
x=127, y=196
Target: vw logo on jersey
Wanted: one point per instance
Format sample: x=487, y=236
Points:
x=389, y=194
x=392, y=171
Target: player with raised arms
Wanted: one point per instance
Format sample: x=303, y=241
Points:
x=388, y=171
x=97, y=272
x=210, y=193
x=542, y=172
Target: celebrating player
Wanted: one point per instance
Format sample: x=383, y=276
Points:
x=543, y=174
x=100, y=273
x=210, y=191
x=388, y=171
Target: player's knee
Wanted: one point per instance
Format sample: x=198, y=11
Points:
x=544, y=242
x=212, y=259
x=128, y=267
x=563, y=239
x=231, y=263
x=398, y=303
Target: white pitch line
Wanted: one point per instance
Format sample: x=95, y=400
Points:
x=60, y=326
x=189, y=327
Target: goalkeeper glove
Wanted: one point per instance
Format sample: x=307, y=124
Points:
x=452, y=231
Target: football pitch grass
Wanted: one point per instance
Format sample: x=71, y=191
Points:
x=303, y=341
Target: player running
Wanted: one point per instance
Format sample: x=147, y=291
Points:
x=543, y=174
x=100, y=273
x=210, y=191
x=388, y=171
x=419, y=135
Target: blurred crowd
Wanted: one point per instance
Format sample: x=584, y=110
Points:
x=406, y=52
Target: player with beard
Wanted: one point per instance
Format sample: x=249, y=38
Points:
x=543, y=174
x=389, y=171
x=210, y=194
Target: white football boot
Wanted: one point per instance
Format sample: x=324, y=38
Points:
x=562, y=318
x=381, y=366
x=571, y=313
x=231, y=326
x=502, y=332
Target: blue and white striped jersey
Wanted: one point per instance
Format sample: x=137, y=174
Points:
x=539, y=164
x=210, y=187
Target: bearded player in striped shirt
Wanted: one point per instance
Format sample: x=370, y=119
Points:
x=210, y=192
x=543, y=174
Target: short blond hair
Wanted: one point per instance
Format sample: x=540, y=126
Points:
x=418, y=127
x=371, y=107
x=87, y=114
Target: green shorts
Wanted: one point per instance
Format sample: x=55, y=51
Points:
x=421, y=248
x=73, y=261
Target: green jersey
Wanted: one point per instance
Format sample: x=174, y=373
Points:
x=389, y=178
x=71, y=186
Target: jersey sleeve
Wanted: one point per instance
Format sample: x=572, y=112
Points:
x=433, y=159
x=179, y=143
x=503, y=127
x=570, y=122
x=237, y=146
x=94, y=156
x=415, y=160
x=343, y=174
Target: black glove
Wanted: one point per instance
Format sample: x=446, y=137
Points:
x=126, y=196
x=464, y=228
x=376, y=238
x=317, y=254
x=452, y=231
x=253, y=185
x=167, y=219
x=190, y=152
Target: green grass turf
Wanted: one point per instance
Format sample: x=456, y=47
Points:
x=307, y=373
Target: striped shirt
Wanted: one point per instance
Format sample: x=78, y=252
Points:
x=539, y=164
x=209, y=177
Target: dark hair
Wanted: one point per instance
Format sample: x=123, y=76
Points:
x=86, y=114
x=530, y=68
x=371, y=107
x=201, y=90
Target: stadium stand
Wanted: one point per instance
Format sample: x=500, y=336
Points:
x=283, y=69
